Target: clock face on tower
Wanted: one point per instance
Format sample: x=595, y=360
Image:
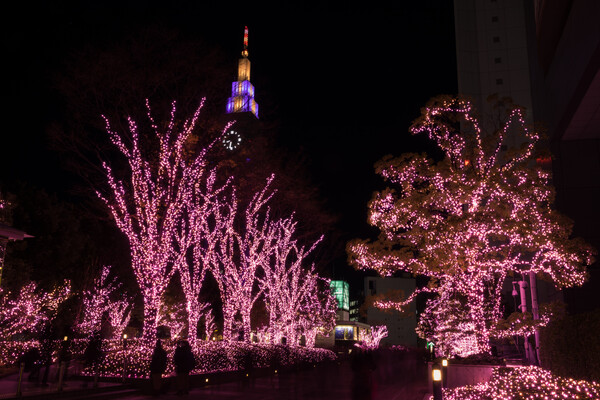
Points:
x=231, y=140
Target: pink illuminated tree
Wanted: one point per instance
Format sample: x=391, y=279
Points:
x=96, y=301
x=119, y=314
x=244, y=248
x=148, y=203
x=294, y=300
x=30, y=308
x=374, y=337
x=173, y=316
x=468, y=221
x=207, y=217
x=319, y=312
x=209, y=324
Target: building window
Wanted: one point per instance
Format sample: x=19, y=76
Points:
x=498, y=60
x=496, y=39
x=499, y=81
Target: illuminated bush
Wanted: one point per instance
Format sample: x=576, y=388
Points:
x=526, y=383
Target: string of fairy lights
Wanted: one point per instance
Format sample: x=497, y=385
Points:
x=30, y=309
x=97, y=301
x=526, y=383
x=177, y=217
x=468, y=221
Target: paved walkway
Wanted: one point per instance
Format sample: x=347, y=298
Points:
x=328, y=381
x=391, y=380
x=34, y=389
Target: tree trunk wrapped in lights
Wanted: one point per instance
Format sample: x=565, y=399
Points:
x=243, y=248
x=295, y=302
x=148, y=205
x=467, y=221
x=206, y=218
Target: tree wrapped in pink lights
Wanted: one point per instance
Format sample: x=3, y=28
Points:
x=148, y=204
x=295, y=301
x=243, y=249
x=374, y=337
x=119, y=314
x=207, y=218
x=318, y=311
x=468, y=221
x=30, y=308
x=181, y=218
x=96, y=301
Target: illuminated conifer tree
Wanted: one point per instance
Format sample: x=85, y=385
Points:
x=148, y=204
x=467, y=221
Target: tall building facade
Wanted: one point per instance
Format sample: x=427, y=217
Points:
x=567, y=37
x=545, y=56
x=495, y=57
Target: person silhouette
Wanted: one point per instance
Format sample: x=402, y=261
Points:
x=158, y=366
x=184, y=363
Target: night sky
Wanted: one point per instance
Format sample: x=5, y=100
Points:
x=347, y=79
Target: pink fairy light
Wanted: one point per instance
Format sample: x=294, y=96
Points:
x=30, y=308
x=296, y=303
x=527, y=383
x=96, y=301
x=148, y=204
x=374, y=337
x=468, y=221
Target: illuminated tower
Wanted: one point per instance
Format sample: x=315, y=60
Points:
x=242, y=92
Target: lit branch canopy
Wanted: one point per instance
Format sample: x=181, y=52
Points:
x=470, y=219
x=148, y=207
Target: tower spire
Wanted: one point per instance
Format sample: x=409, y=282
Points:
x=242, y=91
x=245, y=51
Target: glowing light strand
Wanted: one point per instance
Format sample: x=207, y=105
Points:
x=149, y=207
x=466, y=222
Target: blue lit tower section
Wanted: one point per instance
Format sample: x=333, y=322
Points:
x=242, y=91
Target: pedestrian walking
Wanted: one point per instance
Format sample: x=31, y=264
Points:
x=184, y=363
x=158, y=366
x=32, y=361
x=93, y=356
x=46, y=339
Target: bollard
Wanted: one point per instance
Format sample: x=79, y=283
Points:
x=445, y=373
x=21, y=369
x=437, y=382
x=61, y=374
x=124, y=355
